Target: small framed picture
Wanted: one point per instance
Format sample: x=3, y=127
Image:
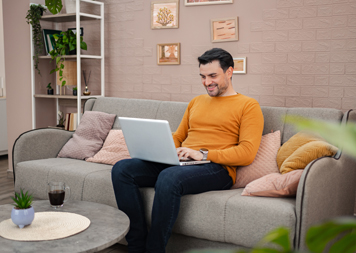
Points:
x=239, y=65
x=164, y=14
x=168, y=54
x=75, y=30
x=49, y=40
x=206, y=2
x=225, y=29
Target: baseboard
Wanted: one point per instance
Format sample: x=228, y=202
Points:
x=10, y=174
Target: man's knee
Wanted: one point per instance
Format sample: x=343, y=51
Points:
x=168, y=182
x=121, y=168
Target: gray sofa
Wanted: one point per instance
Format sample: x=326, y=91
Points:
x=217, y=219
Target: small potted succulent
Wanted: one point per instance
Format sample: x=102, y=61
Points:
x=61, y=119
x=49, y=89
x=75, y=90
x=22, y=213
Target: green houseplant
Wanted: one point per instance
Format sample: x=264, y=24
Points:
x=54, y=6
x=65, y=42
x=33, y=17
x=22, y=213
x=75, y=91
x=49, y=89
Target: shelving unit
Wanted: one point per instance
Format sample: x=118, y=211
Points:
x=72, y=17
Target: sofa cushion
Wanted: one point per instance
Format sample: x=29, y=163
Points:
x=89, y=136
x=264, y=163
x=300, y=150
x=114, y=149
x=274, y=185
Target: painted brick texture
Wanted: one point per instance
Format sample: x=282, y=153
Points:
x=300, y=53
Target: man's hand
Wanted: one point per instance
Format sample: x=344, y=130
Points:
x=189, y=153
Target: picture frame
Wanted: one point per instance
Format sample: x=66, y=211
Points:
x=168, y=54
x=75, y=30
x=49, y=40
x=165, y=14
x=239, y=65
x=225, y=29
x=206, y=2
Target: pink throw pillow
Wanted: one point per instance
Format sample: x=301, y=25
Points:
x=89, y=137
x=274, y=185
x=114, y=149
x=264, y=163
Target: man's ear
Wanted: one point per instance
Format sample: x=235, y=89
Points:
x=230, y=71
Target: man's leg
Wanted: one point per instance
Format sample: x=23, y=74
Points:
x=127, y=177
x=171, y=185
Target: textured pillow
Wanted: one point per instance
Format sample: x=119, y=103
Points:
x=264, y=163
x=114, y=149
x=301, y=149
x=88, y=139
x=274, y=185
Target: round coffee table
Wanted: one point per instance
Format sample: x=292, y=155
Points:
x=108, y=226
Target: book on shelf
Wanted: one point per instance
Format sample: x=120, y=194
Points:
x=71, y=122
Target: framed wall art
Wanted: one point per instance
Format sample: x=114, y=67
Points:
x=206, y=2
x=168, y=54
x=164, y=14
x=225, y=29
x=239, y=65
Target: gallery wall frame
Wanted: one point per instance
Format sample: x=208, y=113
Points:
x=239, y=65
x=165, y=14
x=168, y=54
x=224, y=29
x=206, y=2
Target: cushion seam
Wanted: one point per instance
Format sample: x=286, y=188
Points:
x=81, y=198
x=225, y=209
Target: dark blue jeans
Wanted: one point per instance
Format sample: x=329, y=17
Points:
x=171, y=183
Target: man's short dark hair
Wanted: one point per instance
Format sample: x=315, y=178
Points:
x=225, y=59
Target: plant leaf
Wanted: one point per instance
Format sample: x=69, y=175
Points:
x=83, y=45
x=279, y=236
x=64, y=83
x=54, y=6
x=347, y=244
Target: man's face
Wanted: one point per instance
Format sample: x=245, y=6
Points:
x=215, y=81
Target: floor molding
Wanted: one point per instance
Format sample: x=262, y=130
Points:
x=10, y=174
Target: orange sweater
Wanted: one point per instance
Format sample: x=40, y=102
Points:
x=229, y=127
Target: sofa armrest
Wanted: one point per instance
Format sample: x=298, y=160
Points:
x=38, y=144
x=326, y=190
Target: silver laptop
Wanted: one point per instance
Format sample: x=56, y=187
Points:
x=151, y=140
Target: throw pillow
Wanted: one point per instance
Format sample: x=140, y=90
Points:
x=114, y=149
x=274, y=185
x=301, y=149
x=88, y=139
x=264, y=163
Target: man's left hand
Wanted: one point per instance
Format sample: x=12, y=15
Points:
x=189, y=153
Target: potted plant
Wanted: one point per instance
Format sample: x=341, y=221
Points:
x=49, y=89
x=65, y=42
x=61, y=119
x=22, y=213
x=54, y=6
x=75, y=91
x=33, y=17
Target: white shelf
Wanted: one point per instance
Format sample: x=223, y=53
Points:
x=73, y=57
x=63, y=96
x=71, y=17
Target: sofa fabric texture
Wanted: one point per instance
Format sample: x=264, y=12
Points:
x=216, y=219
x=89, y=136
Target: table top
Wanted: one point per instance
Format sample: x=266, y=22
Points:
x=108, y=226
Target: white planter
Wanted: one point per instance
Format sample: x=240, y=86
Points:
x=70, y=6
x=22, y=217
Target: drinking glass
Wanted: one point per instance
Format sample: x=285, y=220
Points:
x=58, y=193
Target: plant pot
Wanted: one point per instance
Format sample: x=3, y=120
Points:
x=22, y=217
x=50, y=92
x=75, y=93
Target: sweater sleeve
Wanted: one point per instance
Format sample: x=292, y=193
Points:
x=182, y=132
x=250, y=135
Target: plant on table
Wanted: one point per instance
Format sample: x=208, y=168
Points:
x=65, y=41
x=33, y=17
x=22, y=213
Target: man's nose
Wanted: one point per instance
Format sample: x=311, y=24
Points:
x=208, y=81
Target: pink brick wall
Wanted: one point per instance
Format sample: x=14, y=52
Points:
x=300, y=53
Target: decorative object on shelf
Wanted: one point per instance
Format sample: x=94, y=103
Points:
x=61, y=119
x=164, y=14
x=224, y=29
x=49, y=39
x=86, y=92
x=54, y=6
x=65, y=42
x=204, y=2
x=69, y=75
x=22, y=213
x=75, y=91
x=168, y=54
x=33, y=17
x=239, y=65
x=49, y=89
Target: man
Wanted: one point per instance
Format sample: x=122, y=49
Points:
x=224, y=127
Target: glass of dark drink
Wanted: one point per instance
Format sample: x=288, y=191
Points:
x=58, y=193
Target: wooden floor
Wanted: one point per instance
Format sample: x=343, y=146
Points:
x=7, y=191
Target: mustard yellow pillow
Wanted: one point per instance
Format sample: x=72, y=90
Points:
x=301, y=149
